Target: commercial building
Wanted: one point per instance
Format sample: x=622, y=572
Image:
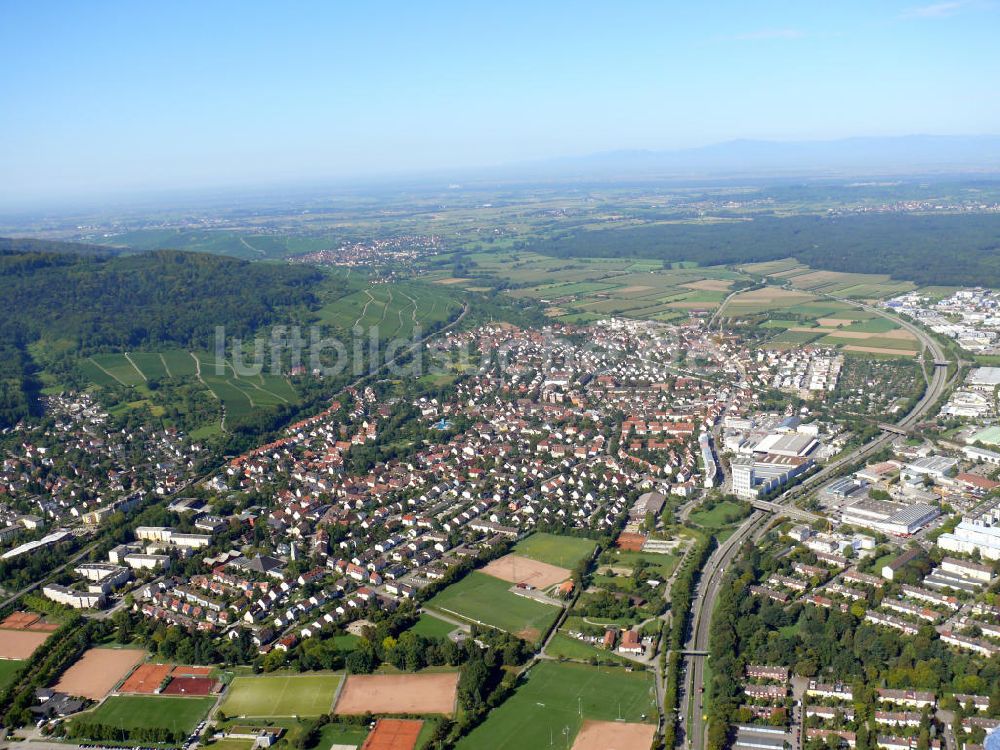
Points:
x=978, y=531
x=758, y=476
x=72, y=597
x=889, y=517
x=165, y=535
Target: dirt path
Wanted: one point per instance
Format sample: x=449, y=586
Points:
x=164, y=361
x=384, y=311
x=413, y=312
x=251, y=247
x=222, y=404
x=105, y=371
x=136, y=368
x=363, y=309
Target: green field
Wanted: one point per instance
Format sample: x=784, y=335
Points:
x=149, y=711
x=119, y=369
x=718, y=517
x=485, y=599
x=585, y=289
x=795, y=337
x=553, y=697
x=342, y=734
x=564, y=551
x=281, y=695
x=563, y=647
x=240, y=395
x=178, y=363
x=432, y=627
x=8, y=668
x=660, y=565
x=395, y=309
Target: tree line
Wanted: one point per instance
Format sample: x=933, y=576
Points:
x=926, y=249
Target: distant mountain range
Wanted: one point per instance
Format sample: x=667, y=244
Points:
x=911, y=154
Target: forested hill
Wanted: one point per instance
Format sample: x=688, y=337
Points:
x=9, y=245
x=79, y=302
x=941, y=249
x=165, y=296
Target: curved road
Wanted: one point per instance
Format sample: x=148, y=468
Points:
x=692, y=725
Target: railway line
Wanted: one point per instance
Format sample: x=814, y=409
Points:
x=692, y=690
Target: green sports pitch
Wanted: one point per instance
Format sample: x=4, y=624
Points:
x=281, y=695
x=484, y=599
x=564, y=551
x=558, y=697
x=151, y=711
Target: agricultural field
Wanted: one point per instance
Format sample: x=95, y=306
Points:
x=795, y=317
x=239, y=395
x=395, y=309
x=221, y=242
x=484, y=599
x=153, y=711
x=585, y=289
x=281, y=695
x=835, y=283
x=562, y=551
x=555, y=696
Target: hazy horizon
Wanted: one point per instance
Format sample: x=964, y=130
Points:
x=108, y=99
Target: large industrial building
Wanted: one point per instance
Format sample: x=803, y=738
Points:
x=979, y=530
x=766, y=463
x=889, y=517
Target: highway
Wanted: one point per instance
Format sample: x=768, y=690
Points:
x=692, y=709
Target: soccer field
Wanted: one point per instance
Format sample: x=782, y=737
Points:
x=281, y=695
x=149, y=711
x=482, y=598
x=556, y=697
x=564, y=551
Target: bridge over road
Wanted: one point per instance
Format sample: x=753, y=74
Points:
x=786, y=510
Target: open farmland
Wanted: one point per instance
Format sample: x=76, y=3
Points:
x=583, y=289
x=281, y=695
x=484, y=599
x=553, y=696
x=431, y=693
x=179, y=715
x=835, y=283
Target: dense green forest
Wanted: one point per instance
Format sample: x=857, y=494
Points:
x=943, y=249
x=11, y=245
x=166, y=296
x=77, y=300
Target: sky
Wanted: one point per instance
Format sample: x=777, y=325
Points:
x=109, y=97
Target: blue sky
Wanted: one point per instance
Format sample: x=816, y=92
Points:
x=108, y=96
